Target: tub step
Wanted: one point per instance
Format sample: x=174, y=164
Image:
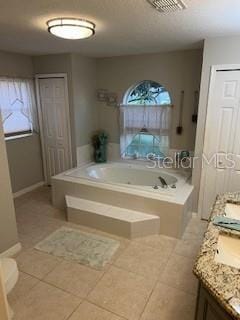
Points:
x=119, y=221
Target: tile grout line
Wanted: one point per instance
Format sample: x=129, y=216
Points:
x=145, y=306
x=30, y=290
x=172, y=286
x=100, y=278
x=101, y=307
x=156, y=282
x=68, y=317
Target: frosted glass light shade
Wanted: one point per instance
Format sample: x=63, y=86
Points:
x=71, y=28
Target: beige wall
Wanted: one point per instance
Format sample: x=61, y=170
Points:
x=84, y=98
x=8, y=228
x=217, y=51
x=176, y=71
x=13, y=64
x=52, y=63
x=25, y=162
x=25, y=167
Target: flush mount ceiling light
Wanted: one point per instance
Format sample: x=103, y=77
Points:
x=71, y=28
x=168, y=5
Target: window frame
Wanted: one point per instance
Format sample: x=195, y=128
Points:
x=18, y=134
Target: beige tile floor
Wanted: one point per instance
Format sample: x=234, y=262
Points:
x=148, y=279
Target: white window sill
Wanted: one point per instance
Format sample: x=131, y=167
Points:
x=20, y=136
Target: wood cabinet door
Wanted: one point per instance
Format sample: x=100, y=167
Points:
x=208, y=308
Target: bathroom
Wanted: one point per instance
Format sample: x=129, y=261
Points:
x=143, y=222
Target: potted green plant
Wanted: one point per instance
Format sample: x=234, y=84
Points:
x=99, y=142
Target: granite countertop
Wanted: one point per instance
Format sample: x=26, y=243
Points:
x=222, y=281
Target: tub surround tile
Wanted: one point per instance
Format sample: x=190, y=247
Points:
x=89, y=311
x=84, y=154
x=45, y=302
x=122, y=292
x=74, y=278
x=167, y=303
x=114, y=152
x=222, y=281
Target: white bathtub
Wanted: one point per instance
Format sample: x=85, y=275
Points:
x=134, y=176
x=131, y=186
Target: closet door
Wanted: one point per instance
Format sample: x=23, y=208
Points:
x=221, y=135
x=56, y=133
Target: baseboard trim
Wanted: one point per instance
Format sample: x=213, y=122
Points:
x=28, y=189
x=11, y=251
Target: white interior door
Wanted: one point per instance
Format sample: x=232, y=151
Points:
x=221, y=144
x=55, y=126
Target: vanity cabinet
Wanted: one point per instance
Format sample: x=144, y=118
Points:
x=207, y=307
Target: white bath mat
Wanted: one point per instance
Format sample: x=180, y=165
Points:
x=85, y=248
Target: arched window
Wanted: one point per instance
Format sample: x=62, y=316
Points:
x=145, y=121
x=148, y=93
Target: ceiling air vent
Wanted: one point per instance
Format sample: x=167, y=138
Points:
x=168, y=5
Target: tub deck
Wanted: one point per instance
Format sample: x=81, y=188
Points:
x=174, y=208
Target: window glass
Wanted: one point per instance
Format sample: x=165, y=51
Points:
x=145, y=143
x=148, y=93
x=16, y=106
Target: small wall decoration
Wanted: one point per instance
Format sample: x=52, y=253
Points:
x=102, y=95
x=112, y=99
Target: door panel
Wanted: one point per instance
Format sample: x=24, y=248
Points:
x=51, y=160
x=221, y=140
x=225, y=128
x=61, y=160
x=55, y=125
x=230, y=89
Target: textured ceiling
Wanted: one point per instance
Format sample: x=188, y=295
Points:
x=123, y=26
